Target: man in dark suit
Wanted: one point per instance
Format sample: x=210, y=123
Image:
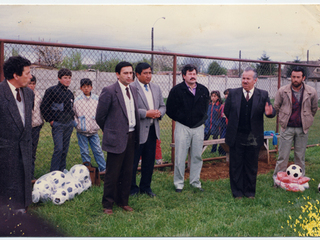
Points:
x=118, y=117
x=244, y=109
x=151, y=110
x=16, y=103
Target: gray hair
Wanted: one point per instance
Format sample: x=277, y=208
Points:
x=255, y=74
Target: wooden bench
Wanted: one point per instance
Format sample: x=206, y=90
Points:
x=264, y=154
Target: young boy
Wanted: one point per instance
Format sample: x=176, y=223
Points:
x=56, y=108
x=85, y=107
x=37, y=121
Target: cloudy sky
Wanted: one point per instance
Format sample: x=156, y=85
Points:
x=283, y=31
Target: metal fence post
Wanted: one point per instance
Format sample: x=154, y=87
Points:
x=174, y=82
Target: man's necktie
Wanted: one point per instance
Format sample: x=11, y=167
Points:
x=146, y=87
x=128, y=94
x=247, y=97
x=18, y=95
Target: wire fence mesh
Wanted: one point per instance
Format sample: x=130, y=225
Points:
x=98, y=65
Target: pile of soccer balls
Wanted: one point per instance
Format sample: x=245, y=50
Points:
x=59, y=187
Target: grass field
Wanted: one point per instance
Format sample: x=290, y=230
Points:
x=189, y=214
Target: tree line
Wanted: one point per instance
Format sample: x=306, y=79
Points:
x=54, y=57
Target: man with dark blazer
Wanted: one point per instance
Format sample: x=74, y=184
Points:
x=16, y=103
x=151, y=110
x=118, y=117
x=244, y=109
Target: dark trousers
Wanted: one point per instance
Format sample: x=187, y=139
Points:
x=243, y=168
x=148, y=152
x=35, y=140
x=61, y=133
x=117, y=180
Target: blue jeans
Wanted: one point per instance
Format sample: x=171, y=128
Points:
x=61, y=133
x=94, y=142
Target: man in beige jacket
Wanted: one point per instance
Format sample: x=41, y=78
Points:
x=296, y=104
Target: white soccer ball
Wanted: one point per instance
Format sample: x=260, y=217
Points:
x=80, y=172
x=80, y=186
x=45, y=188
x=60, y=196
x=294, y=171
x=57, y=178
x=86, y=184
x=72, y=188
x=35, y=195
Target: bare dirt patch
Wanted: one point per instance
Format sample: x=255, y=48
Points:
x=220, y=170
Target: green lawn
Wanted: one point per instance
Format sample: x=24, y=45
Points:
x=189, y=214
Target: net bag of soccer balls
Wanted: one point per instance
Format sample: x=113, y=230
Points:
x=292, y=180
x=59, y=187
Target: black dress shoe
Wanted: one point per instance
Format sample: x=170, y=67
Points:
x=178, y=190
x=134, y=194
x=150, y=193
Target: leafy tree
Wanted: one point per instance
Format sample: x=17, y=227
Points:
x=162, y=62
x=48, y=55
x=216, y=69
x=194, y=61
x=290, y=67
x=134, y=64
x=106, y=65
x=266, y=68
x=15, y=52
x=74, y=62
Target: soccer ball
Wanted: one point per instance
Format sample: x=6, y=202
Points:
x=80, y=172
x=72, y=188
x=45, y=188
x=57, y=178
x=80, y=186
x=86, y=184
x=35, y=195
x=60, y=196
x=319, y=187
x=294, y=171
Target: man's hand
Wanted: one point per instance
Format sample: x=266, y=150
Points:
x=268, y=109
x=153, y=114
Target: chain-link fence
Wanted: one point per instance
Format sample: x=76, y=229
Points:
x=98, y=65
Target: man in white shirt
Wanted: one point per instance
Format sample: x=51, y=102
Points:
x=151, y=110
x=117, y=115
x=16, y=102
